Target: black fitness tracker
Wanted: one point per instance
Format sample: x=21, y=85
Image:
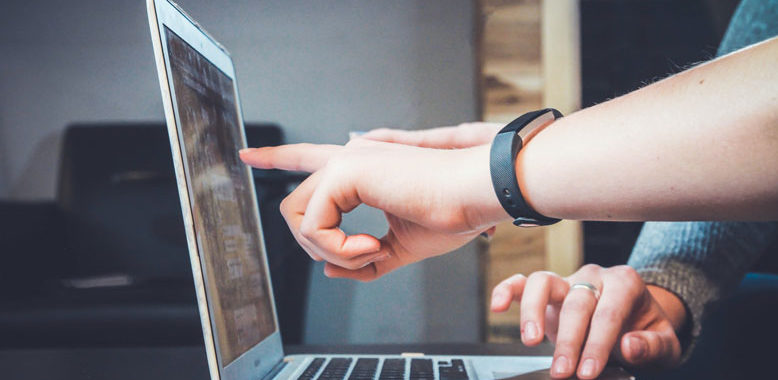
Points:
x=505, y=148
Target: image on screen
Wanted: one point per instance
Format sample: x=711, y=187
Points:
x=224, y=217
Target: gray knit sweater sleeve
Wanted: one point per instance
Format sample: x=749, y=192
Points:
x=700, y=262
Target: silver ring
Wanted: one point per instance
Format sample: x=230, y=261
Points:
x=588, y=286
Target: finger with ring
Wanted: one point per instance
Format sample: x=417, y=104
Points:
x=587, y=286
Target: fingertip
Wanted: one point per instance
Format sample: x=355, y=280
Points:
x=634, y=348
x=360, y=244
x=561, y=367
x=250, y=156
x=244, y=153
x=531, y=333
x=247, y=150
x=328, y=272
x=589, y=369
x=500, y=300
x=497, y=307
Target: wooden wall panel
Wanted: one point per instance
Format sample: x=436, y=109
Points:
x=527, y=64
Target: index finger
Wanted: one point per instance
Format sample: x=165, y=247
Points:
x=297, y=157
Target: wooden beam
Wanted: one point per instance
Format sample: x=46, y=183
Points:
x=561, y=62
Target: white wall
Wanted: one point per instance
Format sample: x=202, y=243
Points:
x=318, y=68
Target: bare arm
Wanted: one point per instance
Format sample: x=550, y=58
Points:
x=700, y=145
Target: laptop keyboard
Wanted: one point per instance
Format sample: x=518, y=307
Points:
x=421, y=369
x=391, y=369
x=455, y=371
x=336, y=369
x=312, y=369
x=364, y=369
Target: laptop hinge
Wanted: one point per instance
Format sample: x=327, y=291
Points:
x=275, y=370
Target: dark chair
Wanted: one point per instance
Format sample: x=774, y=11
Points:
x=106, y=263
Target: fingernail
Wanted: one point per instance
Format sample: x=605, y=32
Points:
x=588, y=368
x=637, y=347
x=530, y=331
x=498, y=299
x=244, y=150
x=561, y=365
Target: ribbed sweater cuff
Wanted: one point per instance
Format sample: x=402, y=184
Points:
x=691, y=286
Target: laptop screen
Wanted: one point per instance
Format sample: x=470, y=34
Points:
x=225, y=221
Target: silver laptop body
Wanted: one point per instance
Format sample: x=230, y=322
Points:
x=224, y=235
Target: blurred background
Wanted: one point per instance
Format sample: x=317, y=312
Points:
x=92, y=246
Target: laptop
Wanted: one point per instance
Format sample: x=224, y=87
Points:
x=224, y=234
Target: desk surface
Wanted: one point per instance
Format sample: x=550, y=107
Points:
x=172, y=363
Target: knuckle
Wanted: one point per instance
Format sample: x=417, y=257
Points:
x=503, y=286
x=310, y=251
x=590, y=269
x=284, y=207
x=627, y=276
x=307, y=230
x=515, y=279
x=625, y=271
x=541, y=276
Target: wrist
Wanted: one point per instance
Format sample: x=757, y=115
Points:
x=671, y=304
x=481, y=206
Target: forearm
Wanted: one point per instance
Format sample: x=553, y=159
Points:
x=700, y=145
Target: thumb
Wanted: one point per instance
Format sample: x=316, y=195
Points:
x=651, y=347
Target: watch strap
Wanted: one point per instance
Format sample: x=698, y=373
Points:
x=505, y=148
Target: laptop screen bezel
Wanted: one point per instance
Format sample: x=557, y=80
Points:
x=260, y=359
